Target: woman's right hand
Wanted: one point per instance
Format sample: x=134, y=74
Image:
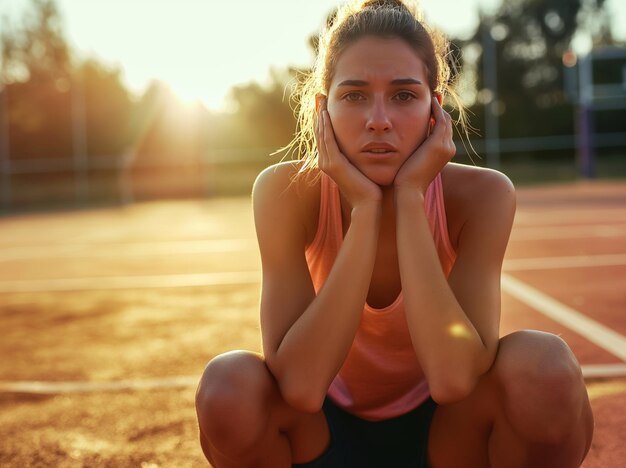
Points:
x=355, y=186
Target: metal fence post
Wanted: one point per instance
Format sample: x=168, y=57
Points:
x=585, y=118
x=5, y=150
x=490, y=74
x=79, y=139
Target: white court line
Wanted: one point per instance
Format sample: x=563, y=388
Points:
x=52, y=388
x=49, y=388
x=101, y=249
x=595, y=371
x=525, y=217
x=580, y=261
x=96, y=283
x=568, y=232
x=602, y=336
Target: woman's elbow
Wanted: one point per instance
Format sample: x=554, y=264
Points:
x=446, y=391
x=453, y=386
x=298, y=393
x=302, y=398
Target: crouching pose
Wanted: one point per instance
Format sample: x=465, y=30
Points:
x=380, y=302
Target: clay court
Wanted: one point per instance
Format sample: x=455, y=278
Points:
x=108, y=317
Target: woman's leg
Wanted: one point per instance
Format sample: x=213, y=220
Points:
x=530, y=410
x=244, y=421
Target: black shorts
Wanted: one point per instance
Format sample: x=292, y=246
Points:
x=399, y=442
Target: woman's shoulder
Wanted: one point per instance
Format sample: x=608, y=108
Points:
x=287, y=188
x=275, y=176
x=477, y=182
x=287, y=179
x=472, y=192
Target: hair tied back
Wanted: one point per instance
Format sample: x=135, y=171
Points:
x=383, y=4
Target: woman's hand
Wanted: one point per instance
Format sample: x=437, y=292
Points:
x=431, y=156
x=355, y=186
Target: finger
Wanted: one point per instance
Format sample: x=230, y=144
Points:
x=318, y=130
x=323, y=140
x=321, y=144
x=319, y=106
x=319, y=139
x=323, y=103
x=329, y=135
x=435, y=117
x=437, y=110
x=448, y=123
x=443, y=120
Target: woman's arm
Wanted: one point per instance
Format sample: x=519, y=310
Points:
x=306, y=338
x=454, y=323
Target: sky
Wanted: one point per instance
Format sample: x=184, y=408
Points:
x=201, y=48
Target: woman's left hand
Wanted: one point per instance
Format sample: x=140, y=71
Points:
x=431, y=156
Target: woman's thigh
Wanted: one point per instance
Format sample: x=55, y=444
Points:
x=459, y=432
x=525, y=407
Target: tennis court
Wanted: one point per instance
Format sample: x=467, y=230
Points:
x=109, y=315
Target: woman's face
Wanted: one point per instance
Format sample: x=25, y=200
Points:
x=379, y=104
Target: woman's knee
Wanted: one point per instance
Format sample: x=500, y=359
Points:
x=541, y=381
x=232, y=400
x=538, y=359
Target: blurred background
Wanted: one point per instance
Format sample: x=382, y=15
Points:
x=114, y=102
x=108, y=316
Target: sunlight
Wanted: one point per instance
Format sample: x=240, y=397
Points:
x=200, y=49
x=458, y=330
x=203, y=48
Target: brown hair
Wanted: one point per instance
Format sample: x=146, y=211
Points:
x=358, y=18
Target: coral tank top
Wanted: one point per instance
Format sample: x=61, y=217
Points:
x=381, y=377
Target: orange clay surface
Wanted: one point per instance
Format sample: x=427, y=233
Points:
x=138, y=294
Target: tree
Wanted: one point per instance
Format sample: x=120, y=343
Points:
x=36, y=72
x=50, y=91
x=38, y=51
x=109, y=108
x=531, y=37
x=264, y=114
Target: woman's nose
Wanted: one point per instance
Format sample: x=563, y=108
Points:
x=378, y=118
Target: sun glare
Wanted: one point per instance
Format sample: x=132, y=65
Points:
x=459, y=330
x=202, y=48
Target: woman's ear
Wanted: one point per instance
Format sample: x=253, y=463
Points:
x=319, y=99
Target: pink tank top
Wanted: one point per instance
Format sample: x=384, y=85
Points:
x=381, y=377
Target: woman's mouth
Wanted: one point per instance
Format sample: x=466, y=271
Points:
x=379, y=149
x=379, y=153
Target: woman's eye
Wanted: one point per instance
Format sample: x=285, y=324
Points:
x=353, y=96
x=405, y=96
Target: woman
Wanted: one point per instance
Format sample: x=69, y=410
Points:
x=380, y=301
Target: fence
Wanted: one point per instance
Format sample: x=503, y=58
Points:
x=39, y=183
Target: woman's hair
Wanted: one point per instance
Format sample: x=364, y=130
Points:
x=353, y=20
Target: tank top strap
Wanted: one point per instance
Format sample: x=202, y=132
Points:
x=439, y=224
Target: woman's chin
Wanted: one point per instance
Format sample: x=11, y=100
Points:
x=382, y=178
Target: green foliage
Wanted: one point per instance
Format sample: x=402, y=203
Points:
x=531, y=37
x=264, y=114
x=108, y=108
x=38, y=50
x=51, y=95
